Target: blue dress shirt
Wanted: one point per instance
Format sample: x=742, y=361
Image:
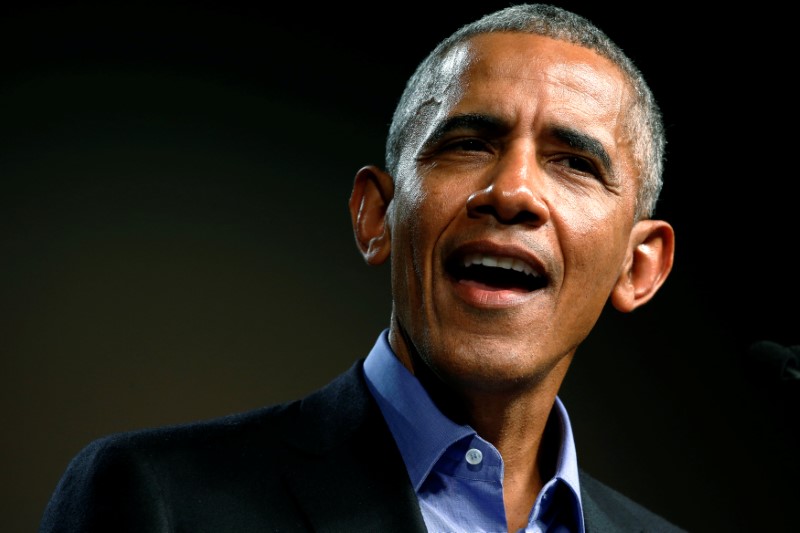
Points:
x=457, y=475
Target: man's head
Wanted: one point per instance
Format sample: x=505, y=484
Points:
x=431, y=81
x=512, y=206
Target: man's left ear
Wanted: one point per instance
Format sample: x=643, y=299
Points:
x=648, y=263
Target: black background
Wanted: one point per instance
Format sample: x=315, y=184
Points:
x=175, y=243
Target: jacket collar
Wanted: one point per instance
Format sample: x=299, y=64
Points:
x=345, y=470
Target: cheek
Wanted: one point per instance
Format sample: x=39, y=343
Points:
x=424, y=211
x=410, y=207
x=422, y=214
x=594, y=238
x=584, y=213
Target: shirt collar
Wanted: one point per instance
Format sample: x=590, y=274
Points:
x=420, y=429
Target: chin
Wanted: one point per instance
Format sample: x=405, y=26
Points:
x=490, y=366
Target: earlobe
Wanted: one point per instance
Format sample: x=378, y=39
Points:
x=650, y=254
x=373, y=190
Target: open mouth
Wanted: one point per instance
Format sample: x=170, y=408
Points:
x=493, y=272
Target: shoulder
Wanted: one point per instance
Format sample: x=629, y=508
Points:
x=607, y=510
x=251, y=432
x=144, y=478
x=204, y=437
x=141, y=480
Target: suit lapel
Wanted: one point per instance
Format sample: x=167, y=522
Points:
x=607, y=511
x=594, y=518
x=345, y=470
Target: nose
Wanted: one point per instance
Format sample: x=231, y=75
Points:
x=514, y=192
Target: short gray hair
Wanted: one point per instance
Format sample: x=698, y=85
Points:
x=644, y=124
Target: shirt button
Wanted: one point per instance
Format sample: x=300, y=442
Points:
x=474, y=456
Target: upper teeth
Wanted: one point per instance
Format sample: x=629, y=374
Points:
x=497, y=261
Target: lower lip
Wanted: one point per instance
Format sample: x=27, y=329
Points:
x=479, y=295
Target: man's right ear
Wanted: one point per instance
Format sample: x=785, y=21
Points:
x=373, y=190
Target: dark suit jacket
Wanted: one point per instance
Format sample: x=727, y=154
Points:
x=327, y=462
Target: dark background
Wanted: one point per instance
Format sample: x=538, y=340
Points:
x=175, y=242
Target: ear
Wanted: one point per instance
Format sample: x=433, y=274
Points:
x=648, y=263
x=373, y=190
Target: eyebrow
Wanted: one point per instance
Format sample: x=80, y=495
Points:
x=585, y=143
x=492, y=125
x=469, y=121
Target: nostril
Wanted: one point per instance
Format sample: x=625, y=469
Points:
x=516, y=216
x=522, y=217
x=484, y=209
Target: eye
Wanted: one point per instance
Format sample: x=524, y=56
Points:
x=470, y=144
x=580, y=164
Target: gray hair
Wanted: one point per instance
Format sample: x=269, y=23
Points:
x=644, y=124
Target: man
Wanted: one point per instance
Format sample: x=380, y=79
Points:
x=523, y=165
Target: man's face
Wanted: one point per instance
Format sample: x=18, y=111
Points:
x=512, y=212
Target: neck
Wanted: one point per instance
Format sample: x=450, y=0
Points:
x=513, y=419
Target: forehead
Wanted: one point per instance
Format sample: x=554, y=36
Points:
x=532, y=62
